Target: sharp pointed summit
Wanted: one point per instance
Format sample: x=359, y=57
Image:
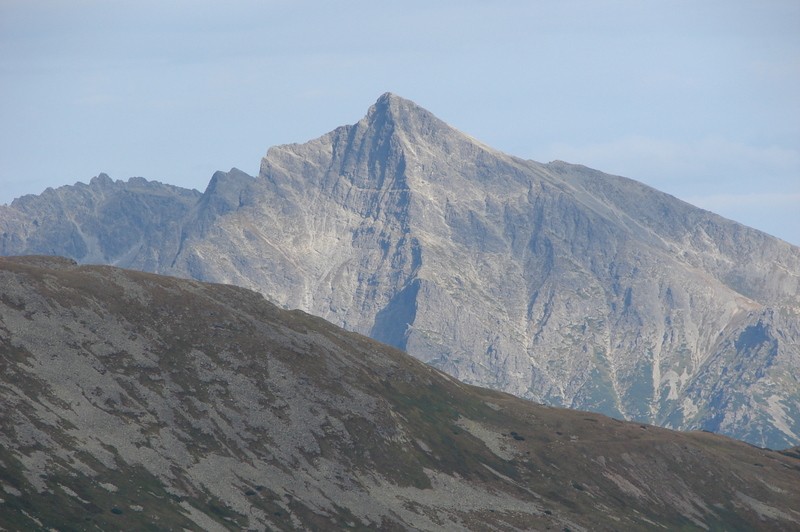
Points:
x=401, y=110
x=554, y=282
x=406, y=116
x=390, y=104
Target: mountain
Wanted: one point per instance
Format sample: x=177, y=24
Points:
x=553, y=282
x=138, y=222
x=140, y=402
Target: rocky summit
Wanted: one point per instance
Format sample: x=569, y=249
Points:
x=553, y=282
x=140, y=402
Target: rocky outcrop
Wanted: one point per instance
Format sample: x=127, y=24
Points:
x=135, y=223
x=553, y=282
x=138, y=402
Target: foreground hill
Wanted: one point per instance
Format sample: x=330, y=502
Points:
x=553, y=282
x=137, y=401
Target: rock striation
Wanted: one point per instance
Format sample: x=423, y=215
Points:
x=136, y=223
x=553, y=282
x=133, y=401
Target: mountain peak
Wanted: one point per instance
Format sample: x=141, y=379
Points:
x=535, y=279
x=393, y=102
x=405, y=115
x=370, y=154
x=387, y=97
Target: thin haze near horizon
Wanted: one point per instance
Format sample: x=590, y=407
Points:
x=698, y=99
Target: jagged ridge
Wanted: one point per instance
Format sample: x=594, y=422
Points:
x=551, y=281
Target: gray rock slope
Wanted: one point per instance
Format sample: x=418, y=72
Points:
x=139, y=402
x=134, y=223
x=554, y=282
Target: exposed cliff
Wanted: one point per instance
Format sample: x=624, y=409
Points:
x=553, y=282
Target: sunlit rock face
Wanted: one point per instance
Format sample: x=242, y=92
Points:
x=554, y=282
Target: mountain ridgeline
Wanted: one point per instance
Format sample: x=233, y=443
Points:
x=553, y=282
x=133, y=401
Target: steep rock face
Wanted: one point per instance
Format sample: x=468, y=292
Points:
x=134, y=224
x=553, y=282
x=325, y=229
x=134, y=401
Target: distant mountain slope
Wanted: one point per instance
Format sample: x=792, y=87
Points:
x=137, y=223
x=553, y=282
x=134, y=401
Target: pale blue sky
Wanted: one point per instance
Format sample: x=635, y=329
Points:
x=699, y=99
